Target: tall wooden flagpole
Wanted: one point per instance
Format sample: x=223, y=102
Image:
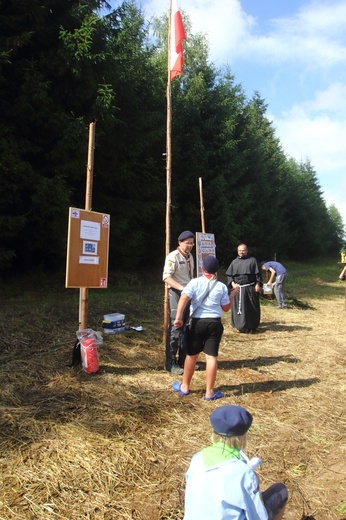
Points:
x=166, y=316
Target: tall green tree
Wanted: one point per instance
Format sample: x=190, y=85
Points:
x=306, y=213
x=338, y=224
x=42, y=127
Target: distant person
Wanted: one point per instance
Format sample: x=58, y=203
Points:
x=244, y=273
x=343, y=278
x=279, y=271
x=221, y=483
x=177, y=272
x=208, y=298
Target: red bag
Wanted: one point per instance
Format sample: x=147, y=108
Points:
x=89, y=355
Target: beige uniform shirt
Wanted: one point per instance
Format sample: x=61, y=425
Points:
x=177, y=267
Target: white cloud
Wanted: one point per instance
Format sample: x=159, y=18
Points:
x=315, y=35
x=332, y=99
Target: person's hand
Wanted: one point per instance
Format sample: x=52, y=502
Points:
x=269, y=284
x=258, y=288
x=178, y=323
x=235, y=289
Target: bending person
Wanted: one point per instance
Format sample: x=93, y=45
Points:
x=208, y=298
x=279, y=271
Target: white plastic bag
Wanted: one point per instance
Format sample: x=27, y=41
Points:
x=89, y=340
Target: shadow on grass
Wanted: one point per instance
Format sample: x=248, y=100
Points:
x=299, y=304
x=293, y=303
x=272, y=326
x=254, y=363
x=269, y=386
x=276, y=326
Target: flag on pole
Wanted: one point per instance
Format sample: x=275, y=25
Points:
x=177, y=37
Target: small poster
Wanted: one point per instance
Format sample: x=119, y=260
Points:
x=89, y=248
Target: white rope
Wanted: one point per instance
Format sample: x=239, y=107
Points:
x=240, y=296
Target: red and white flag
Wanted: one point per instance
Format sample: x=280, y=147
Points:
x=176, y=47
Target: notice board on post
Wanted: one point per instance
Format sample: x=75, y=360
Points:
x=205, y=245
x=87, y=249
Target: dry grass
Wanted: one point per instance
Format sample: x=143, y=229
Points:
x=116, y=444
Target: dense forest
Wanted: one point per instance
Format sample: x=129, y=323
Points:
x=66, y=63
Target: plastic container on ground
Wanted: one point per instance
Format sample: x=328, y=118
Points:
x=267, y=289
x=113, y=320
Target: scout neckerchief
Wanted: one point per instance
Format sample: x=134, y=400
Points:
x=187, y=258
x=219, y=452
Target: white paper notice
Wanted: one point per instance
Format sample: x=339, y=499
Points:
x=91, y=260
x=90, y=230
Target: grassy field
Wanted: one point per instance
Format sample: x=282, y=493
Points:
x=116, y=444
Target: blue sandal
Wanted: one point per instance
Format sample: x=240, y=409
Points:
x=177, y=387
x=217, y=395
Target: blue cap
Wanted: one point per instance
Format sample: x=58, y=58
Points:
x=211, y=264
x=185, y=235
x=230, y=420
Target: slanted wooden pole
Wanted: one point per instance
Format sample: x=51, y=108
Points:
x=201, y=204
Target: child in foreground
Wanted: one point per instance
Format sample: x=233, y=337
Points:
x=221, y=483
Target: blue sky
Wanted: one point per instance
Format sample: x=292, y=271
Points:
x=293, y=52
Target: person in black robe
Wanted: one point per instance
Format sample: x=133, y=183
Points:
x=244, y=272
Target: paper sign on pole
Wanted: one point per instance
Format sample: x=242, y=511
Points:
x=205, y=245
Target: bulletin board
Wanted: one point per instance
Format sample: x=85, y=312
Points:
x=205, y=245
x=87, y=249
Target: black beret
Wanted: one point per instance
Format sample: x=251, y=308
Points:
x=185, y=235
x=231, y=420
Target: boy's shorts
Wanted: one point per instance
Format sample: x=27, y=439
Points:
x=205, y=335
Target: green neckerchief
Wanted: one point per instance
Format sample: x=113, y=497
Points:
x=219, y=452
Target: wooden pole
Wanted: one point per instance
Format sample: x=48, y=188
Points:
x=83, y=292
x=166, y=314
x=201, y=204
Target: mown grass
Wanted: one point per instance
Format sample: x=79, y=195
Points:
x=115, y=445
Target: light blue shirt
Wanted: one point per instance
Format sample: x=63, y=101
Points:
x=211, y=306
x=226, y=491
